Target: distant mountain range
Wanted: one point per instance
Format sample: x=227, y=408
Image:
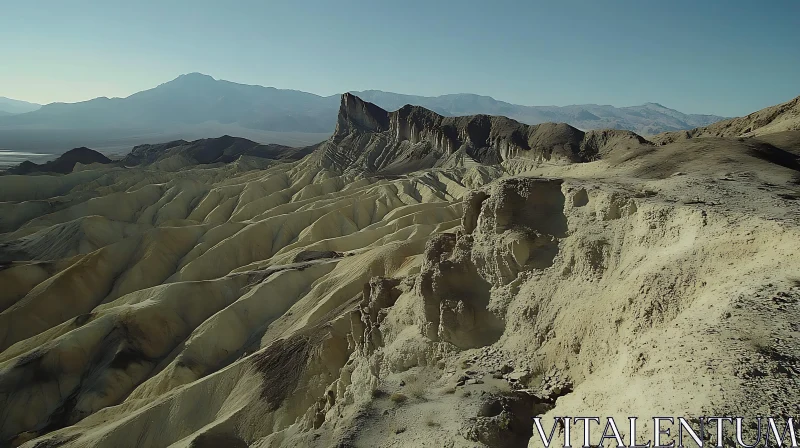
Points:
x=194, y=105
x=12, y=107
x=647, y=119
x=191, y=99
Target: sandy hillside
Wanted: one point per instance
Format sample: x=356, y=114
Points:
x=415, y=281
x=778, y=118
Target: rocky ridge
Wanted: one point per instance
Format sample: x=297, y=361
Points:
x=64, y=164
x=370, y=139
x=770, y=120
x=225, y=149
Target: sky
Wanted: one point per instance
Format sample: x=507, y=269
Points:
x=722, y=57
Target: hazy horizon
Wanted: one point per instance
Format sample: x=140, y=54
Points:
x=531, y=53
x=359, y=90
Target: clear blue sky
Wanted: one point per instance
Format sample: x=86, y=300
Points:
x=702, y=56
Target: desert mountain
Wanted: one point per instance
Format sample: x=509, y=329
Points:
x=192, y=106
x=64, y=164
x=417, y=279
x=11, y=107
x=371, y=140
x=189, y=99
x=194, y=102
x=647, y=119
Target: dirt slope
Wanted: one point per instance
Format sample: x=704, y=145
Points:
x=779, y=118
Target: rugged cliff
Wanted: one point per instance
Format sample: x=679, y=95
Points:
x=372, y=140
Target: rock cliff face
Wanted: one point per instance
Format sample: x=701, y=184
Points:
x=358, y=115
x=508, y=228
x=370, y=139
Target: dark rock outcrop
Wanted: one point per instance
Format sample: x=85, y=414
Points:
x=223, y=149
x=372, y=140
x=63, y=164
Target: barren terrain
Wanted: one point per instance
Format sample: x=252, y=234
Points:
x=415, y=280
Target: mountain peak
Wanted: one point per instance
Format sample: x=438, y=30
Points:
x=13, y=106
x=355, y=113
x=196, y=75
x=193, y=79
